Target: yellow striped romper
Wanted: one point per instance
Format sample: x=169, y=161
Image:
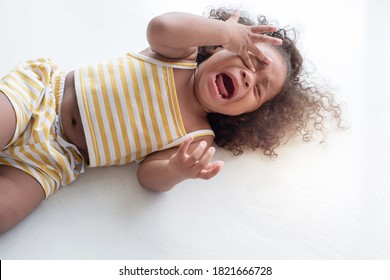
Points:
x=35, y=89
x=129, y=108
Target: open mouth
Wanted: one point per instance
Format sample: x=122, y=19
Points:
x=224, y=85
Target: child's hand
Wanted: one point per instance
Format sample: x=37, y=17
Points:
x=244, y=38
x=197, y=164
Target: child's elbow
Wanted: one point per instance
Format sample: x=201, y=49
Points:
x=149, y=182
x=157, y=27
x=155, y=187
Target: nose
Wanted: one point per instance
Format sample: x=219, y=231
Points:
x=247, y=78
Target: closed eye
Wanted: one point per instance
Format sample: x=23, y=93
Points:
x=267, y=91
x=258, y=91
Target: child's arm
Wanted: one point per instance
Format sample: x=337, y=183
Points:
x=163, y=170
x=177, y=35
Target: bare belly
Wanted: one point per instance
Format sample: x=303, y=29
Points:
x=71, y=119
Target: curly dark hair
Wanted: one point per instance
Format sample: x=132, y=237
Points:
x=299, y=109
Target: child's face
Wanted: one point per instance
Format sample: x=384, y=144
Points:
x=224, y=84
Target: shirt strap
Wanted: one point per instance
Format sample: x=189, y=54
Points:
x=194, y=134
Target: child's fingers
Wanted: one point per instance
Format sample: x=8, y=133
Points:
x=262, y=38
x=206, y=159
x=212, y=171
x=271, y=40
x=204, y=167
x=196, y=155
x=260, y=55
x=260, y=35
x=182, y=151
x=263, y=28
x=248, y=61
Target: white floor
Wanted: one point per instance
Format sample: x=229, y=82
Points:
x=316, y=201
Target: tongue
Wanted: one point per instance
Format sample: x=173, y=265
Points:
x=221, y=86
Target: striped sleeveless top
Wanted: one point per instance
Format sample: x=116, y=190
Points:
x=129, y=108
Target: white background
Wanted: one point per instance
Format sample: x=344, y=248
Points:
x=316, y=201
